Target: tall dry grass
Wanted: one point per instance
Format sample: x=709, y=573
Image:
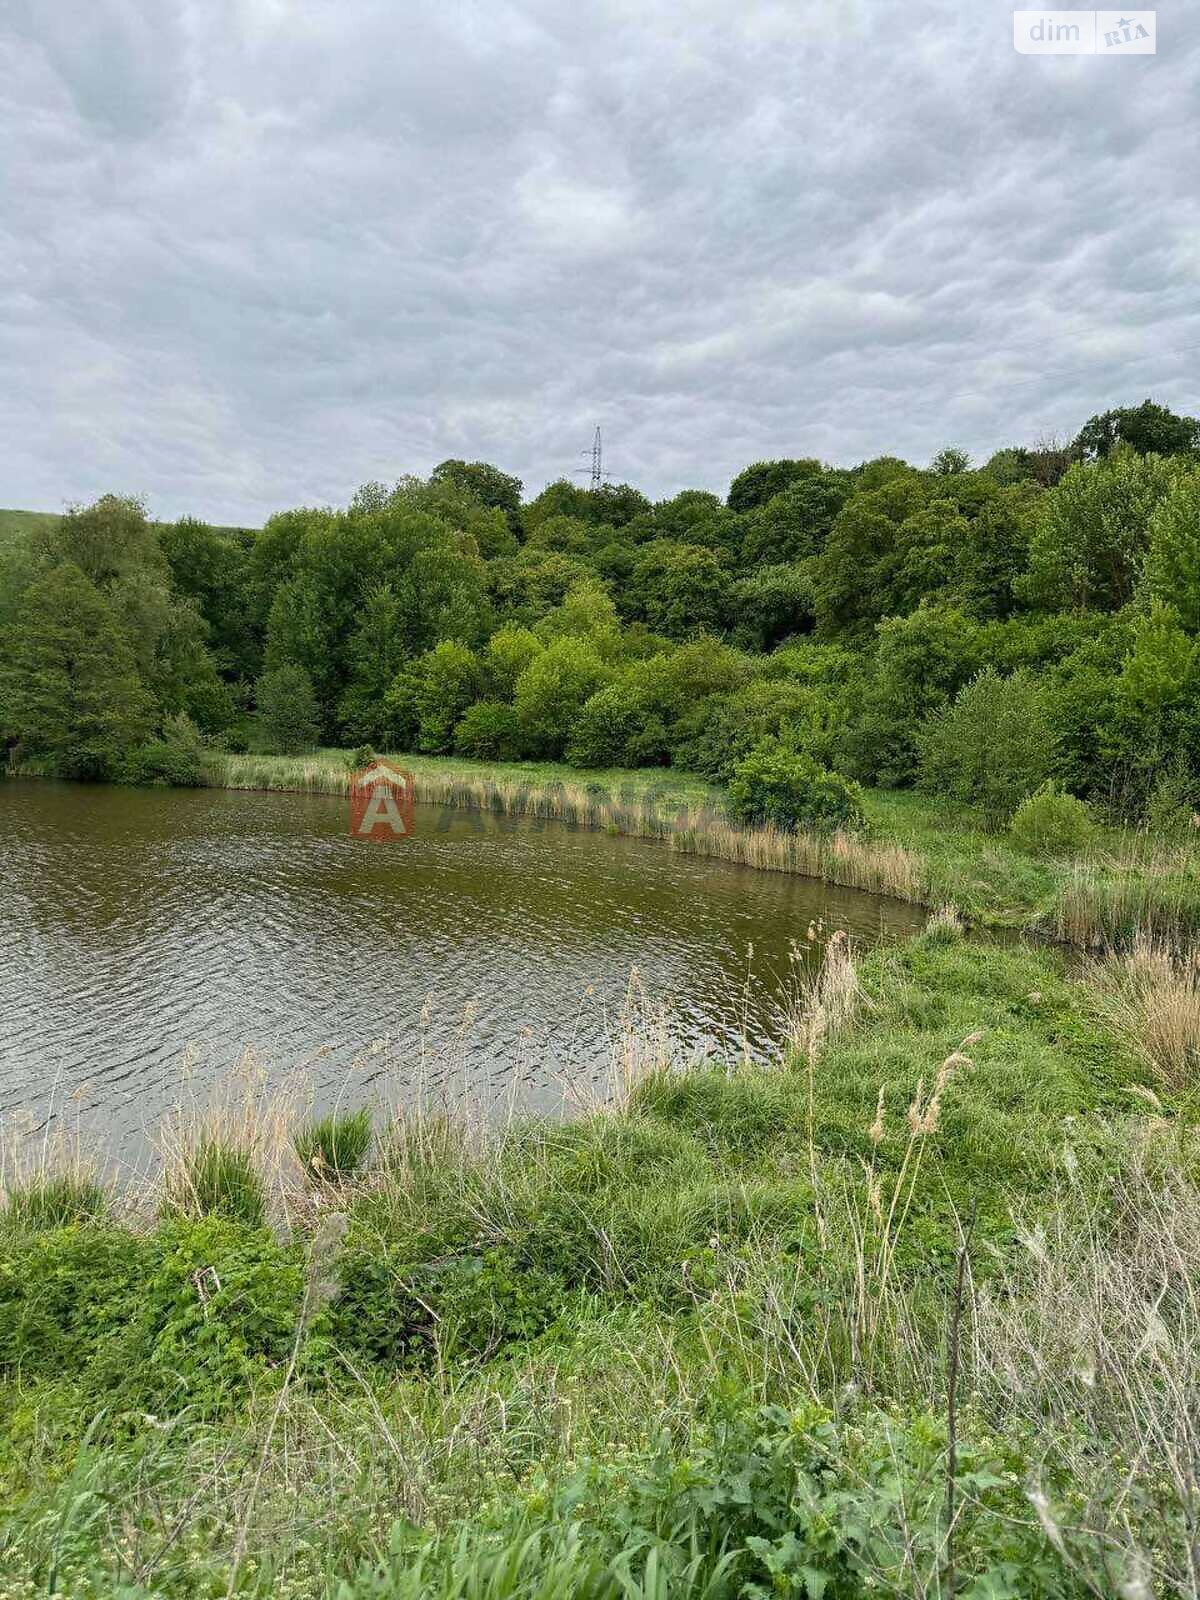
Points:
x=1091, y=1340
x=1147, y=886
x=1149, y=995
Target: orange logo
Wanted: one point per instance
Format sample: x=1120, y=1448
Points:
x=381, y=802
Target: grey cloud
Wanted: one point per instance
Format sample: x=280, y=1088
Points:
x=255, y=253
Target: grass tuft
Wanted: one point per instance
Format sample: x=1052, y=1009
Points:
x=336, y=1147
x=216, y=1178
x=1150, y=996
x=55, y=1200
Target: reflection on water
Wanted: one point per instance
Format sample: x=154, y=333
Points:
x=139, y=928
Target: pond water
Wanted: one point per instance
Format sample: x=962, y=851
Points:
x=148, y=937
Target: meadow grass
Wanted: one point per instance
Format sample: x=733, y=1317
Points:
x=702, y=1341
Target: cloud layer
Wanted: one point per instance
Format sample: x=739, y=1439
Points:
x=255, y=252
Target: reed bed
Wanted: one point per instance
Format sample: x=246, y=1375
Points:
x=697, y=828
x=1149, y=995
x=1108, y=905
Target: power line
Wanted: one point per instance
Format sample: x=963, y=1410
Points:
x=596, y=469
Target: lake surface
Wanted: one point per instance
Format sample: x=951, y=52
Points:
x=147, y=937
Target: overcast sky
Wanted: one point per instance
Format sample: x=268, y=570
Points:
x=255, y=252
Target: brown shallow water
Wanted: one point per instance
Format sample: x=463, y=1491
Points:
x=145, y=934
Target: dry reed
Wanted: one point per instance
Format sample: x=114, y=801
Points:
x=1149, y=995
x=851, y=861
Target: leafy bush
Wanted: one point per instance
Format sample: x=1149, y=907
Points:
x=722, y=730
x=774, y=786
x=489, y=731
x=617, y=728
x=994, y=745
x=449, y=682
x=1051, y=823
x=176, y=758
x=63, y=1292
x=335, y=1147
x=288, y=714
x=552, y=691
x=216, y=1178
x=215, y=1312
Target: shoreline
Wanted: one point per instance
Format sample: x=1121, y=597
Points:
x=915, y=849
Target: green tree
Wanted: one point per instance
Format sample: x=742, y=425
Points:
x=1149, y=429
x=526, y=586
x=211, y=569
x=377, y=651
x=920, y=661
x=770, y=604
x=69, y=686
x=853, y=576
x=1156, y=693
x=795, y=523
x=288, y=713
x=678, y=589
x=587, y=612
x=509, y=651
x=1173, y=558
x=992, y=747
x=760, y=482
x=949, y=462
x=486, y=483
x=552, y=691
x=338, y=561
x=107, y=540
x=450, y=679
x=1090, y=541
x=490, y=730
x=570, y=536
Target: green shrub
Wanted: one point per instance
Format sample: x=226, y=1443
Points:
x=335, y=1147
x=288, y=714
x=773, y=786
x=215, y=1178
x=450, y=680
x=214, y=1313
x=617, y=728
x=993, y=745
x=64, y=1292
x=1051, y=823
x=175, y=758
x=489, y=731
x=552, y=691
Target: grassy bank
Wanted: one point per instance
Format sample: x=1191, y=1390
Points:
x=915, y=1315
x=915, y=847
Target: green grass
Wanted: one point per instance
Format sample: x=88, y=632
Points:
x=336, y=1147
x=53, y=1200
x=16, y=525
x=687, y=1345
x=216, y=1177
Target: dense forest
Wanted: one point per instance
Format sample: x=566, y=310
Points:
x=985, y=632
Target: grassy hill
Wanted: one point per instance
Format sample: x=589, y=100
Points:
x=19, y=524
x=16, y=524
